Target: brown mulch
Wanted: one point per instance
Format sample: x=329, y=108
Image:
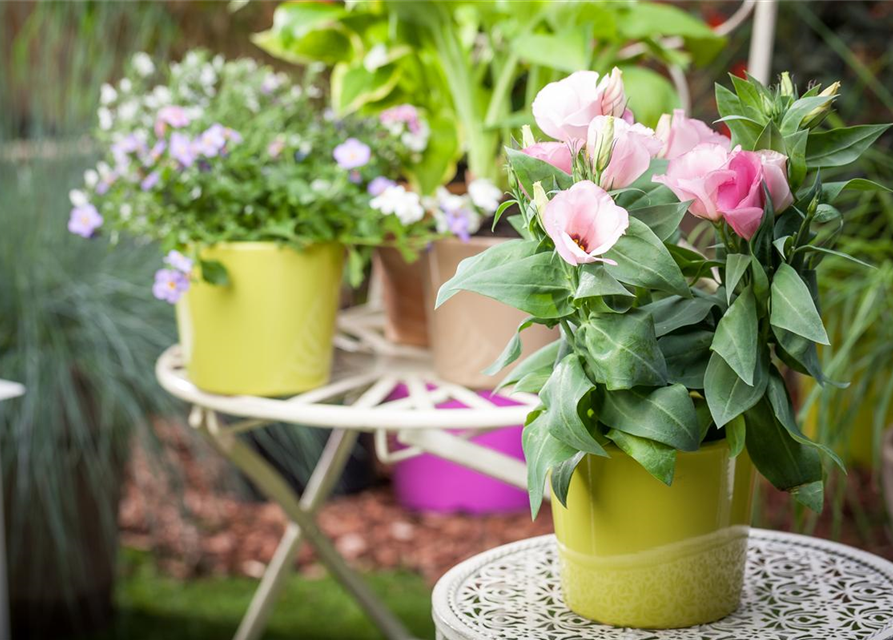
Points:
x=188, y=512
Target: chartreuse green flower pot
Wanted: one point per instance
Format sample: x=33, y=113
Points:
x=637, y=553
x=269, y=331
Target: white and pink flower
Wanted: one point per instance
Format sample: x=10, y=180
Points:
x=681, y=134
x=632, y=146
x=584, y=222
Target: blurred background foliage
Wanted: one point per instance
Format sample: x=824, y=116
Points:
x=78, y=328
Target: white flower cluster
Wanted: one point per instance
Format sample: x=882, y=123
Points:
x=396, y=200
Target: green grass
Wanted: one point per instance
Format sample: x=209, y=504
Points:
x=152, y=606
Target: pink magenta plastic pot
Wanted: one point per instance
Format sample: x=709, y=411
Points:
x=429, y=483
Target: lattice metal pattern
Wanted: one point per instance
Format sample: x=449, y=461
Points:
x=797, y=588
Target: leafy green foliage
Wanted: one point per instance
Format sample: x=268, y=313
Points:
x=621, y=350
x=662, y=414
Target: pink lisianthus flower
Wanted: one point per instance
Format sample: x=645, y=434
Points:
x=742, y=199
x=558, y=154
x=632, y=148
x=680, y=134
x=170, y=285
x=172, y=115
x=84, y=220
x=729, y=185
x=564, y=109
x=584, y=222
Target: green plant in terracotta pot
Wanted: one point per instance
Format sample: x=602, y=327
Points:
x=256, y=192
x=665, y=390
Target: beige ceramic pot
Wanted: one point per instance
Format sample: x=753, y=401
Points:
x=469, y=331
x=402, y=293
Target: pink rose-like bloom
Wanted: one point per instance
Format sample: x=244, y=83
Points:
x=352, y=154
x=742, y=199
x=84, y=220
x=170, y=115
x=729, y=186
x=633, y=147
x=697, y=175
x=558, y=154
x=584, y=222
x=564, y=109
x=170, y=285
x=680, y=134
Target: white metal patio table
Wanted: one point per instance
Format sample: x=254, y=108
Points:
x=368, y=369
x=796, y=588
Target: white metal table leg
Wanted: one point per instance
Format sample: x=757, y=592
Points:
x=326, y=472
x=268, y=480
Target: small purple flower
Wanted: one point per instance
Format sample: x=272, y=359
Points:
x=170, y=285
x=182, y=149
x=170, y=115
x=157, y=150
x=84, y=220
x=379, y=185
x=352, y=154
x=178, y=261
x=102, y=188
x=355, y=177
x=458, y=224
x=212, y=141
x=150, y=181
x=122, y=149
x=233, y=136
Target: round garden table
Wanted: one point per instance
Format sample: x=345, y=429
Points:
x=367, y=371
x=796, y=588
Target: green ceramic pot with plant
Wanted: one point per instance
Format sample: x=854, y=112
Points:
x=666, y=384
x=257, y=192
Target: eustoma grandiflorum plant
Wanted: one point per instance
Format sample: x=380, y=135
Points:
x=664, y=348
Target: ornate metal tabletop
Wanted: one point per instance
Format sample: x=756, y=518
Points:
x=796, y=588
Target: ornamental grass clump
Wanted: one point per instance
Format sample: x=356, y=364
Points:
x=205, y=151
x=664, y=348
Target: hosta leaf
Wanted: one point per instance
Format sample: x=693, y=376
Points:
x=728, y=396
x=622, y=350
x=793, y=308
x=736, y=336
x=657, y=458
x=663, y=414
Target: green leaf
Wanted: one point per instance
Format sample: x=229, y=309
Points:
x=735, y=435
x=832, y=190
x=796, y=152
x=643, y=192
x=736, y=336
x=213, y=272
x=566, y=50
x=645, y=20
x=534, y=381
x=561, y=477
x=777, y=393
x=770, y=138
x=687, y=355
x=781, y=245
x=643, y=261
x=801, y=355
x=750, y=97
x=811, y=495
x=693, y=265
x=673, y=312
x=530, y=170
x=728, y=396
x=597, y=281
x=817, y=249
x=532, y=282
x=354, y=86
x=787, y=464
x=736, y=267
x=839, y=147
x=511, y=352
x=793, y=308
x=662, y=414
x=658, y=459
x=744, y=132
x=662, y=219
x=622, y=351
x=790, y=123
x=543, y=358
x=542, y=452
x=561, y=396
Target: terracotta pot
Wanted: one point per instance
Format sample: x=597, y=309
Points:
x=402, y=292
x=469, y=331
